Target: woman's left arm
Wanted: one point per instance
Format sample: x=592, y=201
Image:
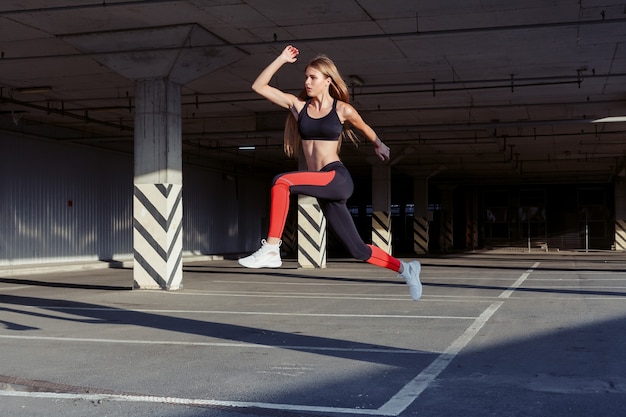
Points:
x=349, y=114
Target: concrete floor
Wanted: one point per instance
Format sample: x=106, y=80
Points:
x=495, y=334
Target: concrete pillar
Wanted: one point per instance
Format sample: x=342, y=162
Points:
x=448, y=218
x=421, y=216
x=312, y=244
x=160, y=60
x=312, y=238
x=381, y=207
x=620, y=215
x=471, y=220
x=290, y=233
x=157, y=202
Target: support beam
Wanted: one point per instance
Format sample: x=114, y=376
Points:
x=160, y=60
x=620, y=215
x=447, y=219
x=421, y=216
x=157, y=202
x=312, y=244
x=312, y=238
x=471, y=220
x=381, y=207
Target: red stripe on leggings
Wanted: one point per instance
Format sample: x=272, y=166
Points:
x=381, y=258
x=281, y=191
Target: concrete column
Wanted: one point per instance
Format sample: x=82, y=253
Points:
x=157, y=202
x=290, y=233
x=448, y=218
x=312, y=245
x=620, y=215
x=160, y=63
x=381, y=207
x=312, y=238
x=471, y=220
x=421, y=216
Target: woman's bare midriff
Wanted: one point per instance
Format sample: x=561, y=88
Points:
x=319, y=153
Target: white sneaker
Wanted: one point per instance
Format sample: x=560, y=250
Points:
x=268, y=256
x=411, y=274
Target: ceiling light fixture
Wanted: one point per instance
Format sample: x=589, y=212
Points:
x=611, y=119
x=247, y=148
x=33, y=90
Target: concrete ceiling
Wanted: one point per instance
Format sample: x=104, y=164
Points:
x=463, y=91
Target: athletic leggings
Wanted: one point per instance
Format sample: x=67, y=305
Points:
x=332, y=186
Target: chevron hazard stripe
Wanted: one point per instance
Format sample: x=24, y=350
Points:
x=157, y=224
x=311, y=236
x=420, y=235
x=620, y=235
x=381, y=230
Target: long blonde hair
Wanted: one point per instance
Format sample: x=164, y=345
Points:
x=338, y=89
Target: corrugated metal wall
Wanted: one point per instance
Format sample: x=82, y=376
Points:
x=222, y=213
x=61, y=203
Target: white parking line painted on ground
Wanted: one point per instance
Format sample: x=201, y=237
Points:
x=411, y=391
x=396, y=405
x=303, y=295
x=209, y=344
x=251, y=313
x=578, y=287
x=569, y=272
x=377, y=297
x=348, y=282
x=518, y=282
x=618, y=277
x=190, y=402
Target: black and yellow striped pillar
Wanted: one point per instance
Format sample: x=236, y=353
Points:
x=471, y=220
x=290, y=233
x=620, y=214
x=381, y=230
x=620, y=235
x=157, y=235
x=448, y=232
x=447, y=218
x=311, y=233
x=381, y=206
x=421, y=216
x=471, y=235
x=158, y=78
x=157, y=200
x=420, y=235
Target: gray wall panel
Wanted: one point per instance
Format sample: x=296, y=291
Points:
x=63, y=203
x=71, y=203
x=218, y=209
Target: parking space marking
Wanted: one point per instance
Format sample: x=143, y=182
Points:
x=211, y=344
x=393, y=407
x=246, y=313
x=411, y=391
x=192, y=402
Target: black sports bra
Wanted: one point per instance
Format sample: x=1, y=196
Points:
x=328, y=127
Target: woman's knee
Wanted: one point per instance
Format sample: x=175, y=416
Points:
x=280, y=188
x=278, y=179
x=361, y=252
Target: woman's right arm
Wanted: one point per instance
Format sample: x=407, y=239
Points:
x=262, y=84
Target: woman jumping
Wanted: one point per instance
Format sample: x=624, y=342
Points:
x=319, y=114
